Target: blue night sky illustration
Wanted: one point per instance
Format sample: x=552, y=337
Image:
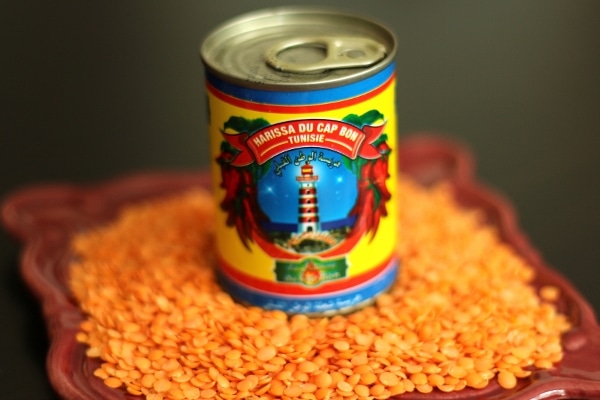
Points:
x=336, y=187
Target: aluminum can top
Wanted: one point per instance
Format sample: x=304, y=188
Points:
x=297, y=49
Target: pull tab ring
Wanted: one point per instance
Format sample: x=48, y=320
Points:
x=340, y=52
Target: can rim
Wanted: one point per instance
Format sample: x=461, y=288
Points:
x=276, y=11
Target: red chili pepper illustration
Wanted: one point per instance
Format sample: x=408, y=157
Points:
x=241, y=199
x=373, y=193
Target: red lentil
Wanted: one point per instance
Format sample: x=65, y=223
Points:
x=113, y=382
x=549, y=293
x=388, y=379
x=462, y=313
x=507, y=379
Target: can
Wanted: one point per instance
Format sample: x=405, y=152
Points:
x=302, y=125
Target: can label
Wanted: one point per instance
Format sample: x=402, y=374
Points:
x=306, y=187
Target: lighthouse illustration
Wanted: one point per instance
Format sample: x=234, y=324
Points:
x=308, y=210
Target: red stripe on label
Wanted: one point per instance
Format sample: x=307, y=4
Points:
x=272, y=108
x=285, y=288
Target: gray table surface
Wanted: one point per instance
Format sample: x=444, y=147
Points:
x=92, y=90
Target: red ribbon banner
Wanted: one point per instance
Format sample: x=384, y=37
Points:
x=275, y=139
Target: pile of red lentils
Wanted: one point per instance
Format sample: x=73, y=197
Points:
x=463, y=313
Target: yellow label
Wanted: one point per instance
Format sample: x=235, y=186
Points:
x=306, y=193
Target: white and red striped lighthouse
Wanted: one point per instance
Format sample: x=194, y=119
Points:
x=308, y=210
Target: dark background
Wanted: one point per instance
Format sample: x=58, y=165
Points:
x=90, y=90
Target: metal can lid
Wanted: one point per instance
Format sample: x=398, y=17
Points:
x=297, y=48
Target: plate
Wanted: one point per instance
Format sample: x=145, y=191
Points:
x=45, y=217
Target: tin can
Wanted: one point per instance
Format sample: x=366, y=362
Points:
x=302, y=126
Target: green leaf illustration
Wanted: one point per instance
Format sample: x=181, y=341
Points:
x=241, y=124
x=368, y=118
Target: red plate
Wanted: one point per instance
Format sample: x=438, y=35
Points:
x=44, y=218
